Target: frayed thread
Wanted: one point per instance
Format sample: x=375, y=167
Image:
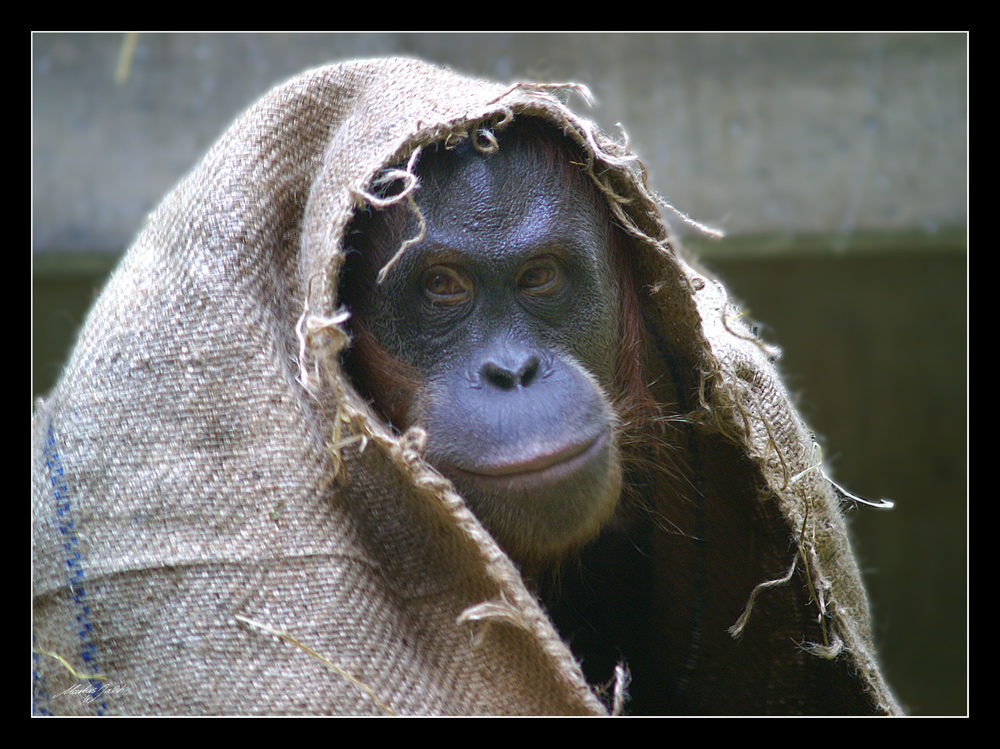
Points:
x=408, y=176
x=73, y=672
x=620, y=694
x=574, y=88
x=307, y=328
x=737, y=629
x=846, y=496
x=828, y=652
x=491, y=612
x=338, y=441
x=325, y=661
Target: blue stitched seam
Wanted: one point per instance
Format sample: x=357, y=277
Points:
x=40, y=694
x=74, y=566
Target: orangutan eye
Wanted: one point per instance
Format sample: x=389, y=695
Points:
x=445, y=285
x=542, y=275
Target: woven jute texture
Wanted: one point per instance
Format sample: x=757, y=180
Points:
x=222, y=526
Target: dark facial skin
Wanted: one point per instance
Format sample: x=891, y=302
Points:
x=506, y=313
x=513, y=333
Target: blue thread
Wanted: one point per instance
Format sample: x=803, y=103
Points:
x=40, y=697
x=74, y=567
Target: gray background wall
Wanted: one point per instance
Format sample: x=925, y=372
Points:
x=837, y=164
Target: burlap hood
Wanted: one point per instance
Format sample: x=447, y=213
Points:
x=222, y=526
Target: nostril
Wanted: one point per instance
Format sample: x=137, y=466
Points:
x=509, y=378
x=529, y=371
x=499, y=377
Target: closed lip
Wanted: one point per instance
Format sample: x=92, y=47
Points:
x=539, y=469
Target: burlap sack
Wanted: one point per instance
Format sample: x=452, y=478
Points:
x=221, y=525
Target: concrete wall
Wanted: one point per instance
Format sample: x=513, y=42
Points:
x=836, y=163
x=782, y=134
